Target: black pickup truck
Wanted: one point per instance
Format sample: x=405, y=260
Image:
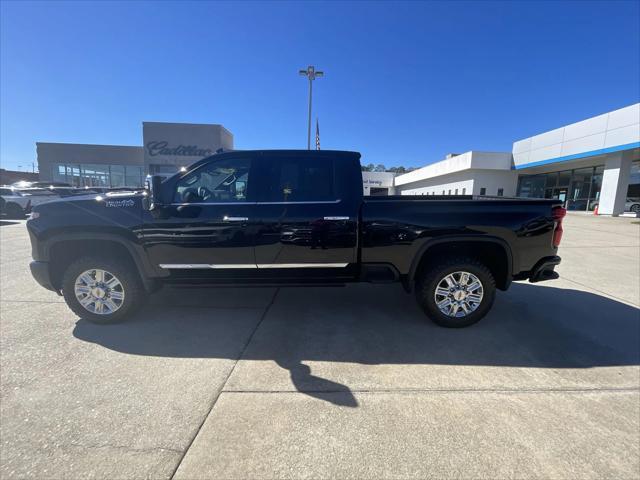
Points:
x=288, y=217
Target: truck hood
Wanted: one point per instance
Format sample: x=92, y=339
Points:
x=113, y=199
x=120, y=208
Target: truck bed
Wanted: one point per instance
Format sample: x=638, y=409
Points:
x=398, y=227
x=457, y=198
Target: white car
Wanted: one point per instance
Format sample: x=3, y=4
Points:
x=18, y=202
x=632, y=205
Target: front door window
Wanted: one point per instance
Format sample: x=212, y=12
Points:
x=217, y=182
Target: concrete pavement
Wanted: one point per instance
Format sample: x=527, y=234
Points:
x=342, y=382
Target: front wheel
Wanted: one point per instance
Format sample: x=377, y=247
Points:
x=102, y=290
x=457, y=292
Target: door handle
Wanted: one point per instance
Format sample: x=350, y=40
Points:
x=235, y=219
x=336, y=218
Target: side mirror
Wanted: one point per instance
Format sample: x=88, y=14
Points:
x=153, y=188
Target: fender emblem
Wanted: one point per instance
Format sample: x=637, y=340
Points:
x=119, y=203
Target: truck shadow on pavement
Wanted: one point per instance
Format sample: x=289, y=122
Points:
x=530, y=326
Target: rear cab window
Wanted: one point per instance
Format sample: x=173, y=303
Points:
x=299, y=179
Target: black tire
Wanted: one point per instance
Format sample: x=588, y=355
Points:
x=134, y=292
x=426, y=289
x=13, y=210
x=635, y=208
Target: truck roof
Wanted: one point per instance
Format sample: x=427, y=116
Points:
x=284, y=152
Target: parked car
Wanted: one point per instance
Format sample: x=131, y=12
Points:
x=19, y=201
x=14, y=205
x=289, y=218
x=630, y=205
x=26, y=184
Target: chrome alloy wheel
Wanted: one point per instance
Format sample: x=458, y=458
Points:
x=99, y=291
x=458, y=294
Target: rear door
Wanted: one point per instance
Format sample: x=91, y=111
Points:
x=307, y=215
x=208, y=228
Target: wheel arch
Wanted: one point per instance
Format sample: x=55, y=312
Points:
x=63, y=249
x=494, y=252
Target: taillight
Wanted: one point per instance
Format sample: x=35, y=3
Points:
x=558, y=213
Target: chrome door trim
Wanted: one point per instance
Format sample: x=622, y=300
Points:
x=209, y=266
x=301, y=202
x=227, y=218
x=194, y=266
x=302, y=265
x=196, y=204
x=336, y=218
x=256, y=203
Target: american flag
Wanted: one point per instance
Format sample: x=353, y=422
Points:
x=317, y=135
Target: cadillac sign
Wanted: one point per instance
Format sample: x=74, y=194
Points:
x=155, y=148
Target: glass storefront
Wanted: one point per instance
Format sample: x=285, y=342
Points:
x=634, y=181
x=579, y=188
x=98, y=175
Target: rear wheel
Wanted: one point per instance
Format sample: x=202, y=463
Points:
x=635, y=208
x=457, y=292
x=102, y=290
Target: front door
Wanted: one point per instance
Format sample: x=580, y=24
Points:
x=209, y=224
x=307, y=227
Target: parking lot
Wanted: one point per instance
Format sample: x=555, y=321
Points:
x=330, y=382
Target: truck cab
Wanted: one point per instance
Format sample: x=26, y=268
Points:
x=281, y=214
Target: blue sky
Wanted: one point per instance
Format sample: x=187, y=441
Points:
x=405, y=83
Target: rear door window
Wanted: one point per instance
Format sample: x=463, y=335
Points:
x=300, y=179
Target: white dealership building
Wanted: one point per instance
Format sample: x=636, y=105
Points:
x=593, y=162
x=470, y=173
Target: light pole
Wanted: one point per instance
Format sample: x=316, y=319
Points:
x=311, y=73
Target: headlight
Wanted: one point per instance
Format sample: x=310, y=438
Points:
x=33, y=215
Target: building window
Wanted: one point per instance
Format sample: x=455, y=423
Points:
x=464, y=191
x=133, y=176
x=443, y=192
x=95, y=175
x=59, y=174
x=532, y=186
x=164, y=170
x=579, y=188
x=456, y=191
x=449, y=192
x=483, y=191
x=500, y=192
x=118, y=176
x=99, y=175
x=634, y=181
